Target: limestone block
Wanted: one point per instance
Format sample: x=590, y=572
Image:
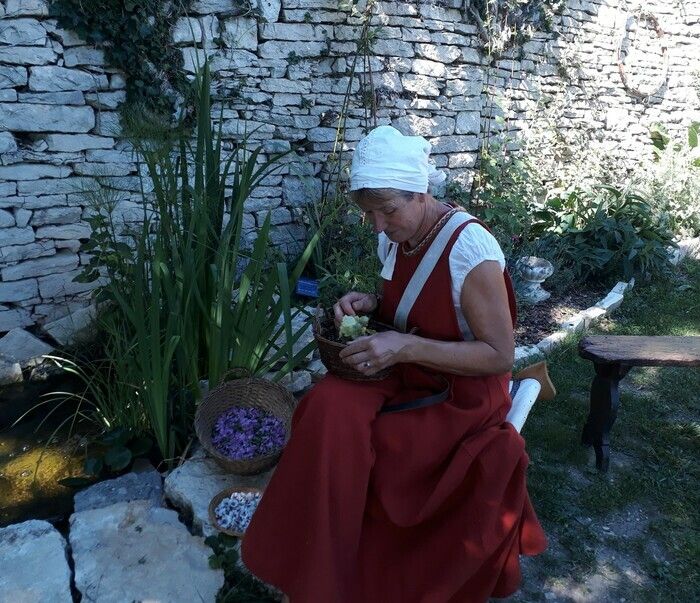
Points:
x=34, y=8
x=197, y=31
x=455, y=144
x=12, y=75
x=269, y=9
x=41, y=202
x=18, y=290
x=45, y=118
x=431, y=68
x=241, y=32
x=34, y=563
x=285, y=85
x=61, y=262
x=20, y=346
x=527, y=354
x=552, y=341
x=206, y=7
x=50, y=78
x=10, y=372
x=282, y=50
x=425, y=126
x=468, y=84
x=22, y=217
x=6, y=219
x=145, y=486
x=193, y=484
x=68, y=330
x=441, y=54
x=62, y=285
x=56, y=215
x=27, y=55
x=17, y=253
x=468, y=122
x=117, y=82
x=17, y=236
x=420, y=84
x=297, y=32
x=108, y=123
x=576, y=323
x=73, y=184
x=7, y=143
x=84, y=55
x=33, y=171
x=81, y=230
x=73, y=97
x=393, y=48
x=110, y=156
x=104, y=169
x=7, y=189
x=70, y=245
x=77, y=142
x=236, y=128
x=22, y=32
x=106, y=100
x=461, y=160
x=131, y=551
x=8, y=95
x=610, y=302
x=298, y=192
x=471, y=55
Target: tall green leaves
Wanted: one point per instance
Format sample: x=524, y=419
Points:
x=187, y=296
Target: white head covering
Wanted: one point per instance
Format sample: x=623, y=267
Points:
x=385, y=158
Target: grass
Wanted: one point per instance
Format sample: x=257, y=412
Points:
x=633, y=533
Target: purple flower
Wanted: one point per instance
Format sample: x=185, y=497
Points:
x=244, y=432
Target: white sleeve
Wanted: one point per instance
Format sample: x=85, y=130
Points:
x=382, y=247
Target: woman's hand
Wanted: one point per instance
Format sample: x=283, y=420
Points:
x=373, y=353
x=354, y=303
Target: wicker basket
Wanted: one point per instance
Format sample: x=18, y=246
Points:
x=329, y=350
x=248, y=391
x=215, y=503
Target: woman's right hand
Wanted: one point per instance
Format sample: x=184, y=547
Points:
x=354, y=303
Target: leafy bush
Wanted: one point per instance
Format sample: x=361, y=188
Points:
x=602, y=232
x=186, y=300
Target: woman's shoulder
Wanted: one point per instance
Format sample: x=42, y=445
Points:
x=473, y=245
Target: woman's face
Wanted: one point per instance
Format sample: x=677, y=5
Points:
x=398, y=218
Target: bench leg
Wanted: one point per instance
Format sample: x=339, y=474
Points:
x=605, y=398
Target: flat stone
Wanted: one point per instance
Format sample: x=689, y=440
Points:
x=413, y=125
x=27, y=55
x=527, y=354
x=40, y=266
x=12, y=75
x=71, y=328
x=196, y=31
x=72, y=184
x=282, y=50
x=22, y=347
x=241, y=32
x=22, y=32
x=84, y=55
x=7, y=143
x=17, y=253
x=108, y=123
x=132, y=551
x=17, y=236
x=468, y=122
x=72, y=97
x=269, y=9
x=80, y=230
x=20, y=117
x=16, y=8
x=6, y=219
x=51, y=78
x=33, y=171
x=193, y=484
x=576, y=323
x=420, y=84
x=63, y=285
x=145, y=486
x=34, y=564
x=106, y=100
x=206, y=7
x=10, y=372
x=18, y=290
x=552, y=341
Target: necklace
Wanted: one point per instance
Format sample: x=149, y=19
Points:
x=433, y=231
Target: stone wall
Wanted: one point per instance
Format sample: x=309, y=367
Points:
x=285, y=76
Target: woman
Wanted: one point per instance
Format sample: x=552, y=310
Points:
x=426, y=505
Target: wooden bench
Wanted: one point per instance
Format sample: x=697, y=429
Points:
x=613, y=356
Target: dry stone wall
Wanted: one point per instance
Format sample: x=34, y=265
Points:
x=283, y=70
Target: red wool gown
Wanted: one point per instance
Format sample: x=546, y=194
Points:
x=420, y=506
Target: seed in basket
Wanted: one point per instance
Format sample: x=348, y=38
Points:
x=235, y=512
x=245, y=432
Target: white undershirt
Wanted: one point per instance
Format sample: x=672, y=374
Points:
x=473, y=246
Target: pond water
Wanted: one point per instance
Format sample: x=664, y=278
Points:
x=34, y=457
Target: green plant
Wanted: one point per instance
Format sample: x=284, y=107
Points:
x=603, y=232
x=135, y=36
x=187, y=301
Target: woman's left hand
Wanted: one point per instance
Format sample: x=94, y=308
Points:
x=373, y=353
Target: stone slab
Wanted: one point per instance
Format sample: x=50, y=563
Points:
x=144, y=486
x=193, y=484
x=22, y=347
x=132, y=551
x=34, y=564
x=10, y=372
x=69, y=329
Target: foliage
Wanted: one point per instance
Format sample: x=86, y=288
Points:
x=672, y=179
x=505, y=23
x=603, y=232
x=135, y=36
x=239, y=586
x=186, y=300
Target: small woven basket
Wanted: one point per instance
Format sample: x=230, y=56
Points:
x=215, y=503
x=329, y=350
x=250, y=392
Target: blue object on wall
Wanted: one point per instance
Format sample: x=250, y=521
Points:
x=307, y=287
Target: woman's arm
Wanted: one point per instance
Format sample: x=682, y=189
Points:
x=484, y=301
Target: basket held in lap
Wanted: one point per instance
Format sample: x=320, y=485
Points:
x=244, y=392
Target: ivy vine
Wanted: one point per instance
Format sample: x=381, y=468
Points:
x=135, y=36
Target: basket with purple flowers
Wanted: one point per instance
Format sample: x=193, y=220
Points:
x=244, y=424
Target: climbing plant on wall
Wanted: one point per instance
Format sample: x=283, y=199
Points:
x=135, y=35
x=505, y=23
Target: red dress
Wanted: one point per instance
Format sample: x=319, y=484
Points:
x=422, y=506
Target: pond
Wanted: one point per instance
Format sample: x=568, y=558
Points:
x=35, y=456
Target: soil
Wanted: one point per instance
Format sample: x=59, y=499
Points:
x=538, y=321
